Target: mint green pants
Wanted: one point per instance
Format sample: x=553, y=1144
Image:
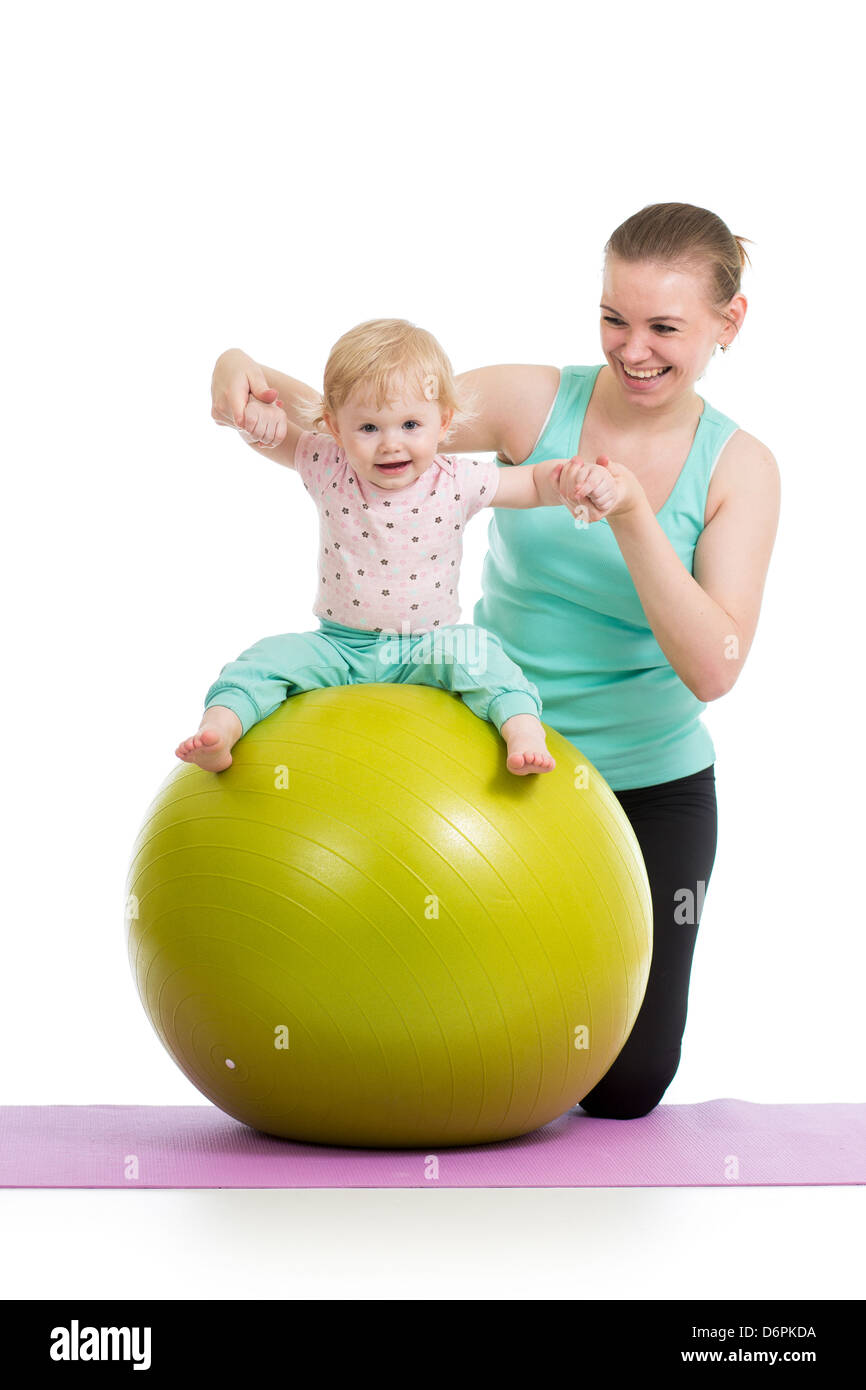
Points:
x=465, y=659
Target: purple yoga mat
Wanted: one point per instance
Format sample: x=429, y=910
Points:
x=718, y=1143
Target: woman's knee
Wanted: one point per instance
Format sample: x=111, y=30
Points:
x=623, y=1108
x=630, y=1095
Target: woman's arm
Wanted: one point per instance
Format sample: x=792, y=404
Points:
x=705, y=623
x=513, y=402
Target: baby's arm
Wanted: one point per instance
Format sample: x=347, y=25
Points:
x=529, y=485
x=538, y=485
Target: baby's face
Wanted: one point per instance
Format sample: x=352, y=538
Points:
x=392, y=446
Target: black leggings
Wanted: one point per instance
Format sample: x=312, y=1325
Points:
x=675, y=823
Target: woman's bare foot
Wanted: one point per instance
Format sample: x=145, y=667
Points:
x=210, y=746
x=527, y=749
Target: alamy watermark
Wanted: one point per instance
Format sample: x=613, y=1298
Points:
x=465, y=645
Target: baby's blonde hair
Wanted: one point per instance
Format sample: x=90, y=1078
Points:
x=379, y=357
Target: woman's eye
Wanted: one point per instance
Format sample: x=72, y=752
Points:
x=618, y=323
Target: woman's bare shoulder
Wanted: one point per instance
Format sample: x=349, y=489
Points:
x=745, y=463
x=512, y=401
x=743, y=445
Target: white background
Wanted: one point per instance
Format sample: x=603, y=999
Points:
x=184, y=178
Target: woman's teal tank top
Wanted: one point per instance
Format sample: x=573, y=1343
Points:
x=564, y=605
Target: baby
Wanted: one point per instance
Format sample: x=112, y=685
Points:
x=392, y=511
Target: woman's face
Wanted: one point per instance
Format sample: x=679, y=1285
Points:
x=658, y=329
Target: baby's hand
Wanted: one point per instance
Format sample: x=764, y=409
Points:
x=587, y=489
x=264, y=424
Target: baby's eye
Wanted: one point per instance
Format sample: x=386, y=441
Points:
x=413, y=423
x=367, y=427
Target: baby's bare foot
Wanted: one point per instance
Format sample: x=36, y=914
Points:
x=209, y=747
x=527, y=749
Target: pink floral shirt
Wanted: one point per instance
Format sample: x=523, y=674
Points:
x=389, y=558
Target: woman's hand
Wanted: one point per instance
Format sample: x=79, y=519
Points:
x=238, y=380
x=595, y=490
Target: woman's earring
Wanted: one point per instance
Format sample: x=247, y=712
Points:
x=724, y=346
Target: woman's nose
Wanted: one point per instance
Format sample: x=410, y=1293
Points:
x=635, y=349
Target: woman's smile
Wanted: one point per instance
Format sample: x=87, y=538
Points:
x=641, y=379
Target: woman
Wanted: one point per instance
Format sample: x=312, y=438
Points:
x=628, y=623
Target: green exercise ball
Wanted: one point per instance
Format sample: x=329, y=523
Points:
x=367, y=932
